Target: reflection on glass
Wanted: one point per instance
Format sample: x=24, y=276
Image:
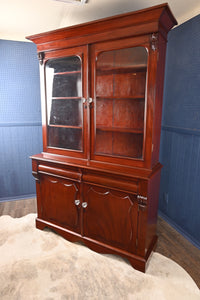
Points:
x=120, y=102
x=64, y=105
x=67, y=85
x=64, y=112
x=68, y=138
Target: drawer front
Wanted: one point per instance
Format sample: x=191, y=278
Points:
x=111, y=180
x=60, y=172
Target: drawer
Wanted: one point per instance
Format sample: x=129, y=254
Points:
x=60, y=172
x=122, y=183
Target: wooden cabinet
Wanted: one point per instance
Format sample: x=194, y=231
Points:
x=97, y=178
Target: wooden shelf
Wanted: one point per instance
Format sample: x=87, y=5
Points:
x=121, y=129
x=118, y=70
x=65, y=126
x=67, y=73
x=137, y=97
x=66, y=98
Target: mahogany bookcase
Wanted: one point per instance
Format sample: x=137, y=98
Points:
x=97, y=179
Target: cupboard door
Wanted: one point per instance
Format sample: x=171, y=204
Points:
x=60, y=202
x=65, y=88
x=119, y=92
x=110, y=217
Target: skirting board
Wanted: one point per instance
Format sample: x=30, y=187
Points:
x=186, y=235
x=15, y=198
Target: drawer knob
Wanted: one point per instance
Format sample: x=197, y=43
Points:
x=142, y=197
x=84, y=204
x=77, y=202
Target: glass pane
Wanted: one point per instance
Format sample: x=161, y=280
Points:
x=65, y=112
x=61, y=137
x=67, y=85
x=64, y=104
x=63, y=64
x=120, y=102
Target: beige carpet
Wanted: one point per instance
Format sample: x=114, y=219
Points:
x=41, y=265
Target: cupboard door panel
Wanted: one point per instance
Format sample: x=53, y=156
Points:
x=65, y=122
x=58, y=202
x=110, y=217
x=118, y=118
x=64, y=104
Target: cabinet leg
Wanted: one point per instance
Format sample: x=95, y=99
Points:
x=40, y=225
x=139, y=265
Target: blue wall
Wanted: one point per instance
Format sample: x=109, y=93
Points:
x=180, y=140
x=20, y=118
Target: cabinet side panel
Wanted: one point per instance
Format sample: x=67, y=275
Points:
x=158, y=99
x=37, y=182
x=153, y=197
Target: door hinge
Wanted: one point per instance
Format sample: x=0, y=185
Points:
x=41, y=56
x=154, y=41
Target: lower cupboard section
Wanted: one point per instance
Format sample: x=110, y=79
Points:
x=105, y=219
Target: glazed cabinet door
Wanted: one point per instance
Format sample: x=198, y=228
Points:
x=65, y=119
x=118, y=113
x=110, y=217
x=60, y=202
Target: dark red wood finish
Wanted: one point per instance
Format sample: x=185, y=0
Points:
x=82, y=53
x=107, y=194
